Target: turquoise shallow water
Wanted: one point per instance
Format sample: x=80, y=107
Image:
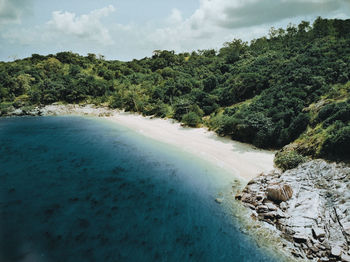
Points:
x=82, y=189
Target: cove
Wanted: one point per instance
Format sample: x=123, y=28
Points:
x=83, y=189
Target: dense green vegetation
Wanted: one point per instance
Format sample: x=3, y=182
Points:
x=288, y=159
x=292, y=86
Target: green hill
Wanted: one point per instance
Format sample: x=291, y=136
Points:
x=291, y=87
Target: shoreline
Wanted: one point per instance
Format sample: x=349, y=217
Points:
x=243, y=161
x=239, y=159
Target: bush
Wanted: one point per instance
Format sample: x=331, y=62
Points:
x=288, y=160
x=164, y=110
x=337, y=145
x=225, y=124
x=116, y=101
x=5, y=108
x=191, y=119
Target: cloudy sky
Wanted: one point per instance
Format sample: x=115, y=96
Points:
x=128, y=29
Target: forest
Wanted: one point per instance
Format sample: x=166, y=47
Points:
x=287, y=90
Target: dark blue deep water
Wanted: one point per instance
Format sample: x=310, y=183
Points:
x=77, y=189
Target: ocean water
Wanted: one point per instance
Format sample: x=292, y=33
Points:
x=82, y=189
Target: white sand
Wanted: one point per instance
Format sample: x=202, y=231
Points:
x=239, y=159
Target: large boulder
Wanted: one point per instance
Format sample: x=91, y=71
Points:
x=279, y=192
x=336, y=251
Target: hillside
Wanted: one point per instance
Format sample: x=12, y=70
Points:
x=290, y=88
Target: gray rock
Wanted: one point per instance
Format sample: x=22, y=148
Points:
x=219, y=200
x=318, y=232
x=323, y=259
x=271, y=206
x=280, y=214
x=250, y=206
x=283, y=205
x=269, y=215
x=262, y=209
x=336, y=251
x=18, y=112
x=310, y=205
x=299, y=238
x=345, y=258
x=346, y=227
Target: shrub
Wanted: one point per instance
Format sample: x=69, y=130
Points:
x=288, y=160
x=337, y=145
x=115, y=101
x=5, y=108
x=164, y=110
x=191, y=119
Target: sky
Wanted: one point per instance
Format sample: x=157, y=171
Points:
x=133, y=29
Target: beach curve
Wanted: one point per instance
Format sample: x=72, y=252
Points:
x=240, y=159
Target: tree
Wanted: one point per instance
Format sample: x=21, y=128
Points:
x=210, y=83
x=232, y=50
x=337, y=144
x=191, y=119
x=23, y=82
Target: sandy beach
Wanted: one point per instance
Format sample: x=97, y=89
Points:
x=238, y=158
x=242, y=160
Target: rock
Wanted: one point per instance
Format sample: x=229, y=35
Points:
x=309, y=256
x=238, y=196
x=283, y=205
x=271, y=206
x=247, y=198
x=219, y=200
x=345, y=258
x=279, y=192
x=300, y=204
x=262, y=209
x=18, y=112
x=318, y=232
x=269, y=215
x=296, y=253
x=280, y=214
x=299, y=238
x=314, y=249
x=336, y=251
x=346, y=227
x=321, y=247
x=250, y=206
x=323, y=259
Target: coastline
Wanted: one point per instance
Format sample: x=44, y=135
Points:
x=277, y=225
x=80, y=170
x=241, y=160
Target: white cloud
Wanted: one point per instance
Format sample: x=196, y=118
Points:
x=87, y=26
x=209, y=26
x=175, y=16
x=217, y=21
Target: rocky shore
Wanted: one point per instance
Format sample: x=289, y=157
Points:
x=59, y=109
x=308, y=205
